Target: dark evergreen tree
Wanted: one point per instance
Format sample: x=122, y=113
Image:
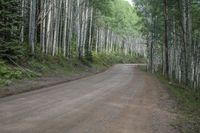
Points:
x=10, y=14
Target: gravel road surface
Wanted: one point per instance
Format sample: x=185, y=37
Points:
x=121, y=100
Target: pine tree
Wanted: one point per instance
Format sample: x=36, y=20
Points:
x=10, y=28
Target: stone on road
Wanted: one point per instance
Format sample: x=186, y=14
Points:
x=121, y=100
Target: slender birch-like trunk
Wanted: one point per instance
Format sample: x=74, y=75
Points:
x=32, y=25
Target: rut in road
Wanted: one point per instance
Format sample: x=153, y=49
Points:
x=120, y=100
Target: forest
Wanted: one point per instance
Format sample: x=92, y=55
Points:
x=66, y=27
x=70, y=29
x=172, y=33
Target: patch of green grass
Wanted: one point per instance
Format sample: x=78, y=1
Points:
x=56, y=65
x=9, y=73
x=36, y=67
x=188, y=102
x=41, y=65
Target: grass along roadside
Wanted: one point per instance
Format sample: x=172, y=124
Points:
x=53, y=70
x=188, y=107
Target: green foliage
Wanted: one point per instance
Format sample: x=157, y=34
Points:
x=12, y=50
x=115, y=58
x=9, y=32
x=73, y=48
x=196, y=17
x=8, y=73
x=36, y=67
x=40, y=65
x=89, y=56
x=123, y=19
x=102, y=5
x=10, y=20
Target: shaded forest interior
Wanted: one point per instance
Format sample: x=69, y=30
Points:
x=36, y=31
x=172, y=32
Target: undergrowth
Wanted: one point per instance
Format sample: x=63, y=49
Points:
x=41, y=65
x=8, y=73
x=188, y=102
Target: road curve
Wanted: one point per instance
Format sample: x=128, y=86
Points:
x=121, y=100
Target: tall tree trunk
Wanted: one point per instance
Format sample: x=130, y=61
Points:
x=65, y=26
x=32, y=25
x=166, y=39
x=22, y=27
x=78, y=30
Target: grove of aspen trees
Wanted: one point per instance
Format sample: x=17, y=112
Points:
x=172, y=32
x=71, y=27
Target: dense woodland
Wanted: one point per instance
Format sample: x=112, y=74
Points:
x=69, y=27
x=172, y=32
x=37, y=34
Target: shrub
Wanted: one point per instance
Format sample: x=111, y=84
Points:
x=8, y=73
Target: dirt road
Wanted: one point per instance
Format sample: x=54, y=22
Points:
x=120, y=100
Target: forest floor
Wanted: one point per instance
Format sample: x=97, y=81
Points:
x=122, y=99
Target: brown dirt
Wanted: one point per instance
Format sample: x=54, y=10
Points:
x=120, y=100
